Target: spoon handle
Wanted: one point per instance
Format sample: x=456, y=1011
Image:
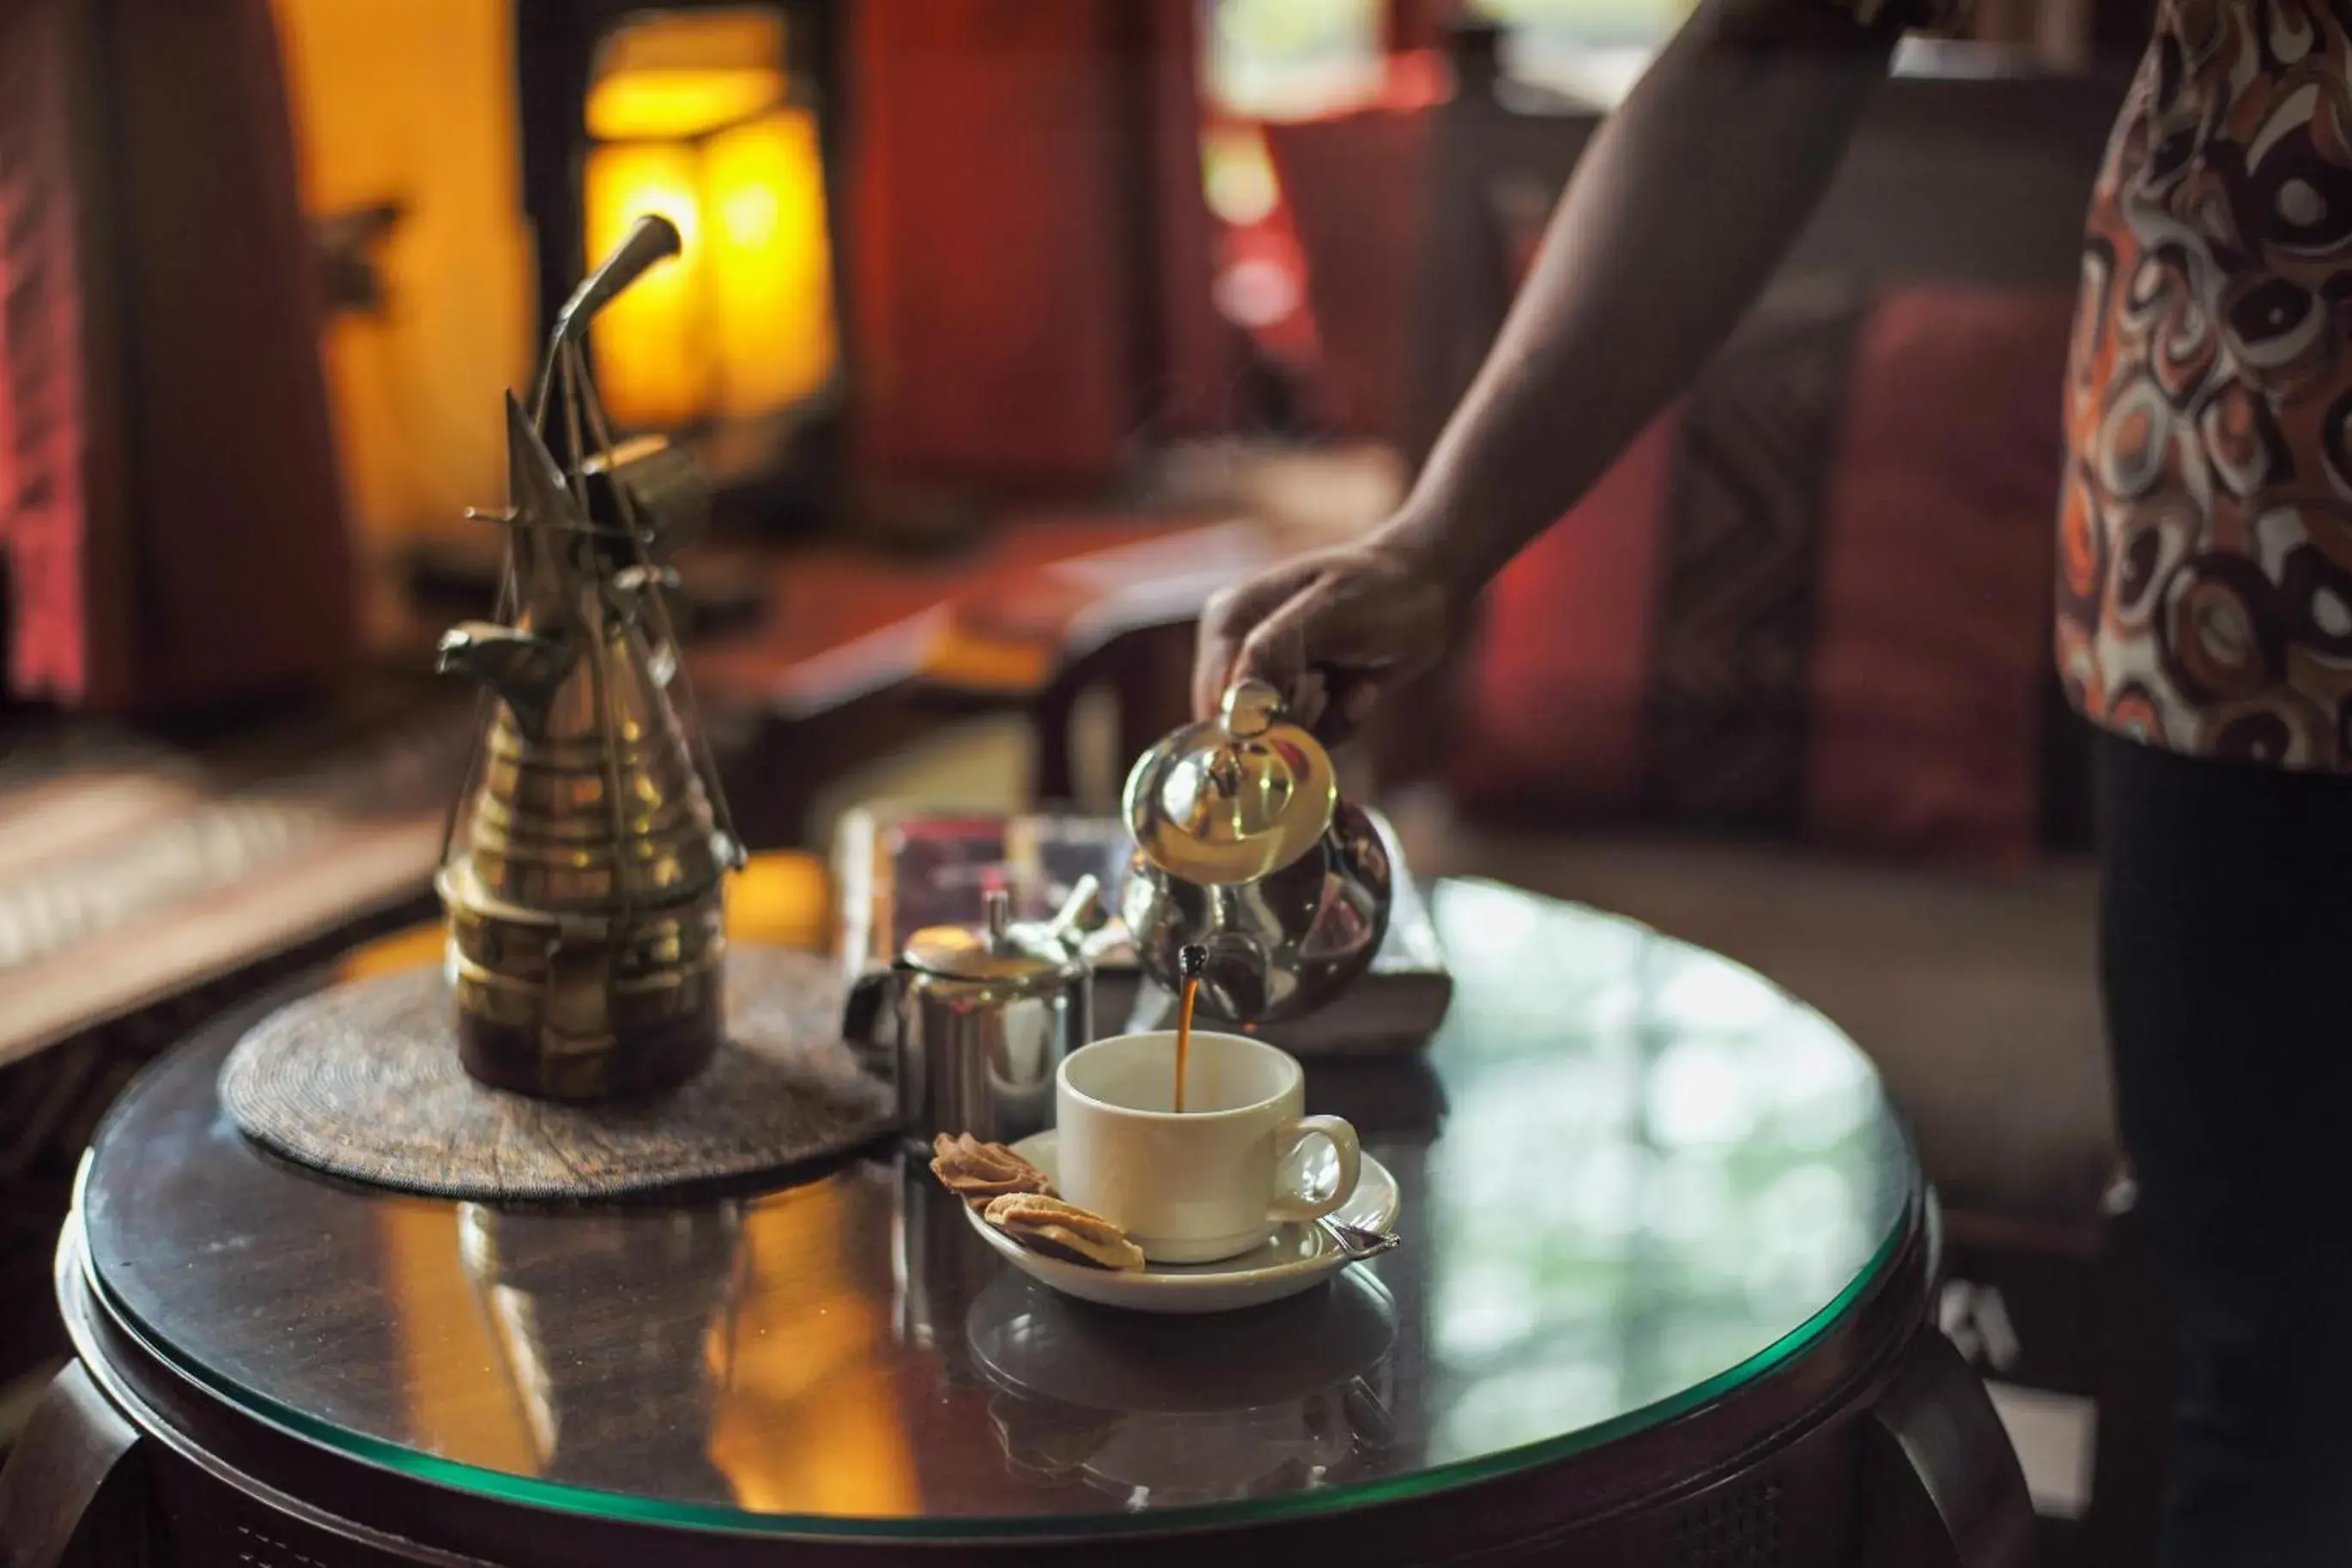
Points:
x=1356, y=1243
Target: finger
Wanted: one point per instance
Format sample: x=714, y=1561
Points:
x=1212, y=662
x=1228, y=619
x=1276, y=651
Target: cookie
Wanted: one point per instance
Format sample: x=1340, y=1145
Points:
x=979, y=1173
x=1064, y=1230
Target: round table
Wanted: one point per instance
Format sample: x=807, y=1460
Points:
x=1662, y=1297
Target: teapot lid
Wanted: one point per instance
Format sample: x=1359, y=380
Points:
x=1000, y=950
x=1233, y=799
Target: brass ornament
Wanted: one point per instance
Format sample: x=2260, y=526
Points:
x=582, y=874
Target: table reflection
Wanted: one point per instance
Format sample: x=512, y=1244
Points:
x=579, y=1311
x=813, y=1418
x=939, y=1268
x=722, y=1353
x=1160, y=1412
x=1714, y=1161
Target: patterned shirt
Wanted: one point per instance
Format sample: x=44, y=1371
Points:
x=2205, y=572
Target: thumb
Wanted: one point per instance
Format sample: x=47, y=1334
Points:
x=1225, y=624
x=1276, y=651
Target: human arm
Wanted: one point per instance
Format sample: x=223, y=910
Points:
x=1681, y=209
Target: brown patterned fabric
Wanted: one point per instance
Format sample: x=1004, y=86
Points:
x=1730, y=667
x=1810, y=602
x=2205, y=583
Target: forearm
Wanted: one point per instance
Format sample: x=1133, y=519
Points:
x=1684, y=205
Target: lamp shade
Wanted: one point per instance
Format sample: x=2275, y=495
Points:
x=690, y=116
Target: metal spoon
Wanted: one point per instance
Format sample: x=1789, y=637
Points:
x=1355, y=1243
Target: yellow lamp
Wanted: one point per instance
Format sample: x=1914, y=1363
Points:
x=690, y=115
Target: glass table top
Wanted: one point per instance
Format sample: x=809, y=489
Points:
x=1635, y=1176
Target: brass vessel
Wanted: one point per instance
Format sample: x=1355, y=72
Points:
x=583, y=874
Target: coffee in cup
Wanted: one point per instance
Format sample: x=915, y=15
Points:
x=1206, y=1182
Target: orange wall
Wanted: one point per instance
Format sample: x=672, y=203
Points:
x=414, y=100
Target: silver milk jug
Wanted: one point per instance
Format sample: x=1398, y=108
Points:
x=976, y=1021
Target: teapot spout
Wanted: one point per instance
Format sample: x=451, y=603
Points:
x=524, y=668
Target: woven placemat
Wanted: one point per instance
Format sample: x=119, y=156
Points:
x=363, y=1080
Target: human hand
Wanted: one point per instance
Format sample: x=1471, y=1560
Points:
x=1330, y=632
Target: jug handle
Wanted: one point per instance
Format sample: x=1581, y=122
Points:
x=868, y=1020
x=1081, y=914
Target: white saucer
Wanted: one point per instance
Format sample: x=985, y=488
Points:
x=1294, y=1258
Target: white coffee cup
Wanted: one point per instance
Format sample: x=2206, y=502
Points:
x=1205, y=1184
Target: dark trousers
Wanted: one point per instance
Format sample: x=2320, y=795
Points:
x=2226, y=959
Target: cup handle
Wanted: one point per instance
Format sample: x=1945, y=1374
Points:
x=1299, y=1206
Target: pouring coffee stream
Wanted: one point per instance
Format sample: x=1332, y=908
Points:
x=1190, y=961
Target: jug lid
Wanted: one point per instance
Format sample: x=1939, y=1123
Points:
x=1233, y=799
x=996, y=949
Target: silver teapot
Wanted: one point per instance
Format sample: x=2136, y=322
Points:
x=1244, y=847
